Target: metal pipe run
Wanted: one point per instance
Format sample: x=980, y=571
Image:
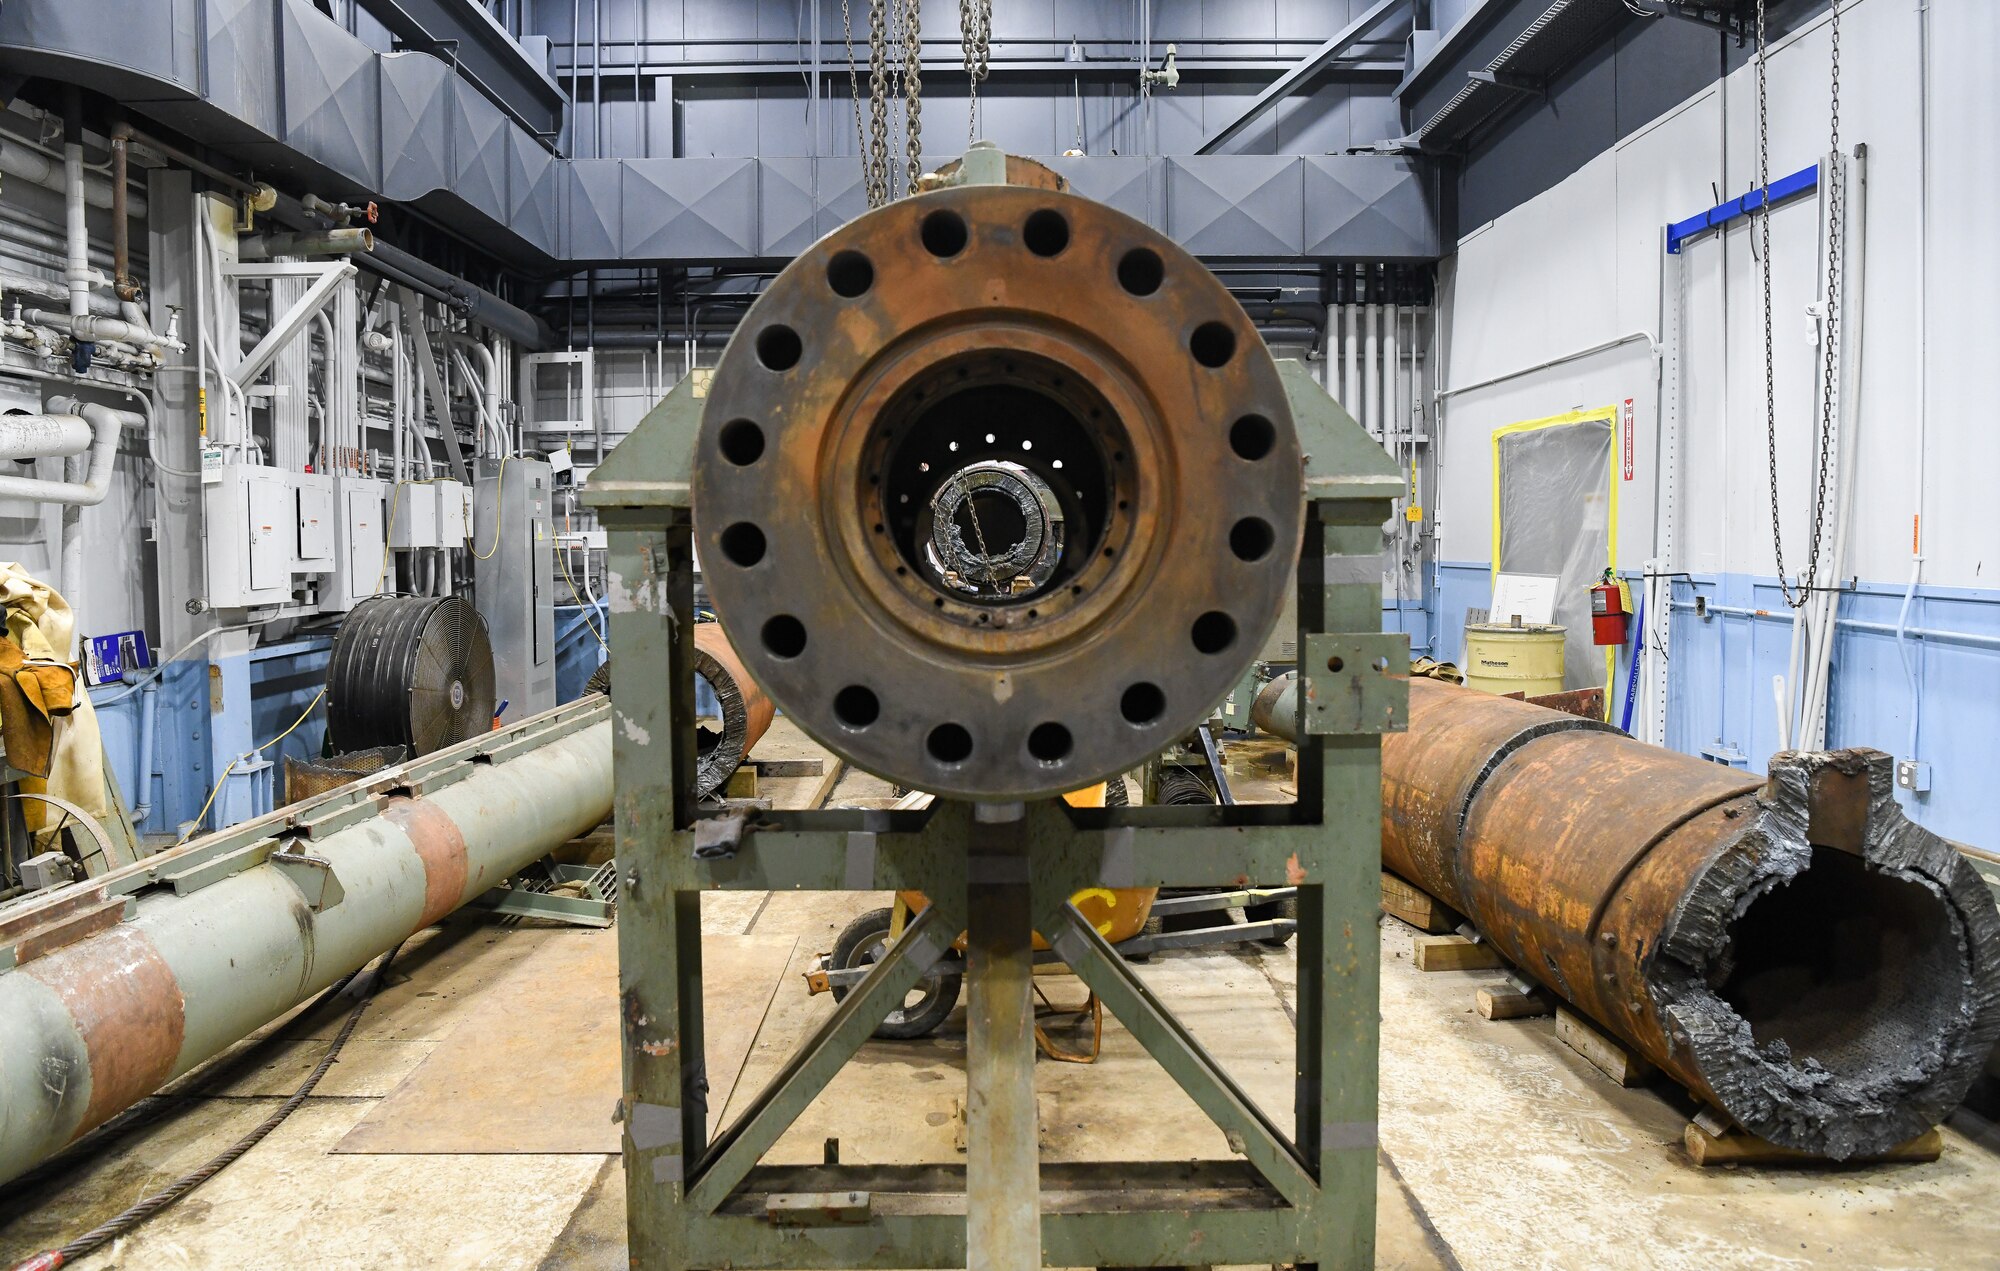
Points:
x=1794, y=950
x=106, y=1020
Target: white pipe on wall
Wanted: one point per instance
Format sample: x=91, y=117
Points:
x=1371, y=369
x=1392, y=366
x=77, y=272
x=85, y=490
x=36, y=168
x=42, y=436
x=1350, y=328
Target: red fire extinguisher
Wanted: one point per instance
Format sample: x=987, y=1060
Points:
x=1607, y=612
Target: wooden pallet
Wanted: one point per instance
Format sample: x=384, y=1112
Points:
x=1417, y=907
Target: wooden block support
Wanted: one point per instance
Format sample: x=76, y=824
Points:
x=1453, y=953
x=1737, y=1148
x=1504, y=1001
x=1606, y=1053
x=742, y=783
x=1418, y=908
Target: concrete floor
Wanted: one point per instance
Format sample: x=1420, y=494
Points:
x=1500, y=1147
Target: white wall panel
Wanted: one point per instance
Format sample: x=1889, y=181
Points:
x=1583, y=263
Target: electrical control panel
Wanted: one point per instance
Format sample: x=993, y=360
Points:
x=452, y=517
x=360, y=541
x=413, y=517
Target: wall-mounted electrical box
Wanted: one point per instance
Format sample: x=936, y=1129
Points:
x=359, y=541
x=316, y=536
x=413, y=517
x=453, y=516
x=515, y=580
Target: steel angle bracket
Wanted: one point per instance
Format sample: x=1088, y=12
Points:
x=1356, y=684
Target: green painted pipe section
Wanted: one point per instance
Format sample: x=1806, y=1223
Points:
x=240, y=952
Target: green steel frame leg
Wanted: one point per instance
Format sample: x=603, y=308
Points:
x=1003, y=1224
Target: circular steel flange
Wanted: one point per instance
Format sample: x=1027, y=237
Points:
x=975, y=324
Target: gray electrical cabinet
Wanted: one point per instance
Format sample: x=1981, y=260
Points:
x=513, y=577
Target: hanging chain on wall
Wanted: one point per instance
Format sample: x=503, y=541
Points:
x=913, y=87
x=975, y=37
x=1829, y=335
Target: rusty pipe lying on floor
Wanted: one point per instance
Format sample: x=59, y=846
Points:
x=1794, y=950
x=92, y=1027
x=746, y=710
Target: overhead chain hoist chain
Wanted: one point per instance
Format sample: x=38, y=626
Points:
x=913, y=87
x=1830, y=333
x=854, y=85
x=875, y=164
x=975, y=37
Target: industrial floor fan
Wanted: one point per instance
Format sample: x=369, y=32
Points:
x=415, y=671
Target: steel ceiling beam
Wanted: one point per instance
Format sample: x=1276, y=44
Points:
x=1291, y=81
x=482, y=53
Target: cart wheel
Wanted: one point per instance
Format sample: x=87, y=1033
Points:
x=1286, y=908
x=926, y=1006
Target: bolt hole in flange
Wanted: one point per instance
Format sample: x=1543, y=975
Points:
x=785, y=636
x=856, y=707
x=949, y=744
x=741, y=442
x=1046, y=233
x=779, y=348
x=1252, y=538
x=1252, y=437
x=1142, y=703
x=943, y=233
x=1213, y=632
x=1213, y=344
x=743, y=544
x=1049, y=743
x=1140, y=271
x=850, y=274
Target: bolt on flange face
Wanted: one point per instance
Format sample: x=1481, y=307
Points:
x=932, y=337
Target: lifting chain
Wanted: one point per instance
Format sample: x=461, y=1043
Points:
x=875, y=164
x=975, y=37
x=854, y=86
x=1830, y=333
x=913, y=87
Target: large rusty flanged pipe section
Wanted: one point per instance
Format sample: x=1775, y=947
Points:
x=746, y=711
x=973, y=325
x=1793, y=950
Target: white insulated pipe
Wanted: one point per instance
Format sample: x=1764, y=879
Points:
x=36, y=168
x=43, y=436
x=89, y=489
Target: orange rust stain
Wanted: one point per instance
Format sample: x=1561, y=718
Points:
x=441, y=848
x=1294, y=875
x=128, y=1007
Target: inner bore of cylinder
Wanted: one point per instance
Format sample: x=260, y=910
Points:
x=997, y=453
x=1847, y=966
x=708, y=725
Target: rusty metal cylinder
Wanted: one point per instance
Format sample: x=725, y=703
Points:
x=997, y=491
x=722, y=744
x=1792, y=949
x=1275, y=709
x=98, y=1023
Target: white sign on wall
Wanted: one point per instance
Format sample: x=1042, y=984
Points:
x=1530, y=597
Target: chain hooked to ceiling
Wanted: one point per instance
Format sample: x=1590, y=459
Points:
x=1829, y=354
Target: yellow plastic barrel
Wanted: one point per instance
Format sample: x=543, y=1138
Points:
x=1500, y=658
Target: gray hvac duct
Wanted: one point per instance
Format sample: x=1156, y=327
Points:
x=108, y=1019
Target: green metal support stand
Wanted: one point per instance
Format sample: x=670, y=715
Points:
x=998, y=872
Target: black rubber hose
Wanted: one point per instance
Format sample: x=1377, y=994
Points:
x=104, y=1233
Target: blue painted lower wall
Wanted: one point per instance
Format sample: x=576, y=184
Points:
x=1943, y=679
x=578, y=650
